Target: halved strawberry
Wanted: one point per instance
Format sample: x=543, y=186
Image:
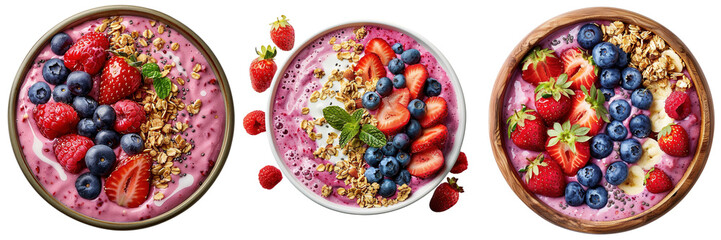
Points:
x=393, y=114
x=579, y=67
x=416, y=76
x=129, y=184
x=399, y=96
x=430, y=137
x=588, y=110
x=540, y=65
x=381, y=48
x=568, y=146
x=426, y=163
x=436, y=112
x=372, y=67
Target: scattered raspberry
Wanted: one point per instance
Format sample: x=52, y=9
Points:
x=269, y=176
x=129, y=116
x=254, y=122
x=70, y=151
x=55, y=119
x=461, y=164
x=678, y=105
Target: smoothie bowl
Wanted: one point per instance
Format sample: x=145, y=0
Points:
x=601, y=120
x=121, y=117
x=366, y=118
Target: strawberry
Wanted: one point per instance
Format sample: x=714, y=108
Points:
x=461, y=164
x=553, y=101
x=579, y=67
x=70, y=151
x=282, y=34
x=392, y=114
x=540, y=65
x=120, y=79
x=416, y=76
x=88, y=54
x=544, y=177
x=254, y=122
x=657, y=181
x=129, y=184
x=430, y=137
x=399, y=96
x=527, y=130
x=269, y=176
x=678, y=105
x=129, y=115
x=381, y=48
x=568, y=146
x=673, y=140
x=426, y=163
x=588, y=110
x=372, y=67
x=263, y=68
x=55, y=119
x=446, y=195
x=436, y=112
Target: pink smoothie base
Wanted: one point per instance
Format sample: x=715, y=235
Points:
x=206, y=133
x=623, y=206
x=297, y=83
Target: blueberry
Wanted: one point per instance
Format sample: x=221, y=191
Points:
x=388, y=188
x=608, y=93
x=88, y=186
x=641, y=98
x=413, y=129
x=86, y=127
x=389, y=149
x=622, y=59
x=601, y=146
x=616, y=173
x=610, y=77
x=400, y=141
x=630, y=150
x=630, y=78
x=384, y=86
x=108, y=138
x=616, y=130
x=575, y=195
x=60, y=43
x=131, y=143
x=39, y=93
x=373, y=175
x=432, y=87
x=396, y=66
x=389, y=166
x=619, y=109
x=371, y=100
x=100, y=160
x=62, y=94
x=397, y=48
x=640, y=126
x=417, y=108
x=80, y=83
x=589, y=176
x=403, y=177
x=597, y=197
x=605, y=54
x=403, y=159
x=55, y=72
x=85, y=106
x=411, y=56
x=104, y=117
x=373, y=156
x=399, y=81
x=589, y=35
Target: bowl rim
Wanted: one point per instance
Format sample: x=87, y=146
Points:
x=497, y=134
x=417, y=194
x=115, y=10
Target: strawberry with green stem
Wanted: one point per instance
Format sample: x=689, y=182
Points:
x=540, y=65
x=568, y=146
x=553, y=99
x=579, y=67
x=121, y=77
x=673, y=140
x=263, y=68
x=282, y=33
x=657, y=181
x=588, y=109
x=544, y=177
x=527, y=130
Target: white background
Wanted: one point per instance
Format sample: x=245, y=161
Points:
x=476, y=38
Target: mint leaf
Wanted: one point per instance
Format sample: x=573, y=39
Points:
x=162, y=87
x=151, y=70
x=358, y=115
x=370, y=135
x=350, y=130
x=337, y=117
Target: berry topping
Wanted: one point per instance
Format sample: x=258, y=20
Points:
x=371, y=66
x=426, y=163
x=436, y=112
x=416, y=76
x=678, y=105
x=579, y=67
x=673, y=140
x=120, y=79
x=88, y=54
x=129, y=184
x=55, y=119
x=544, y=177
x=431, y=137
x=527, y=129
x=381, y=48
x=129, y=115
x=568, y=146
x=540, y=65
x=70, y=151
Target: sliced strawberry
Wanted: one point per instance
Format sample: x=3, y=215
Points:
x=436, y=112
x=416, y=76
x=430, y=137
x=568, y=146
x=426, y=163
x=372, y=67
x=588, y=110
x=579, y=67
x=541, y=65
x=393, y=114
x=381, y=48
x=129, y=184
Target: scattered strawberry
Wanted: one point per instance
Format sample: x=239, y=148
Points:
x=393, y=114
x=426, y=163
x=568, y=146
x=129, y=115
x=446, y=195
x=120, y=79
x=673, y=140
x=588, y=109
x=540, y=65
x=55, y=119
x=416, y=76
x=263, y=68
x=436, y=112
x=282, y=34
x=269, y=176
x=70, y=151
x=580, y=68
x=543, y=176
x=88, y=54
x=129, y=184
x=461, y=164
x=254, y=122
x=678, y=105
x=657, y=181
x=372, y=67
x=381, y=48
x=553, y=101
x=430, y=137
x=527, y=130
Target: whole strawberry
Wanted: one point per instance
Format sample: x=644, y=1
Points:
x=269, y=176
x=55, y=119
x=553, y=99
x=673, y=140
x=461, y=164
x=527, y=129
x=544, y=177
x=254, y=122
x=282, y=34
x=446, y=195
x=120, y=79
x=88, y=54
x=263, y=68
x=129, y=115
x=657, y=181
x=70, y=151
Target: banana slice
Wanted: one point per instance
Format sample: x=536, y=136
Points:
x=657, y=114
x=651, y=154
x=675, y=60
x=634, y=183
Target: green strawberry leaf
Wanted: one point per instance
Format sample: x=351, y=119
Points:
x=162, y=87
x=337, y=117
x=370, y=135
x=151, y=70
x=350, y=130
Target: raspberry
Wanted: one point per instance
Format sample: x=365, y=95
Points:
x=70, y=151
x=678, y=105
x=254, y=122
x=55, y=119
x=269, y=176
x=129, y=116
x=461, y=164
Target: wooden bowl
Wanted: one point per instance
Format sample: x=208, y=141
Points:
x=498, y=132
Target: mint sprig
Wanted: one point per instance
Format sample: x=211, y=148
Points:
x=350, y=126
x=161, y=84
